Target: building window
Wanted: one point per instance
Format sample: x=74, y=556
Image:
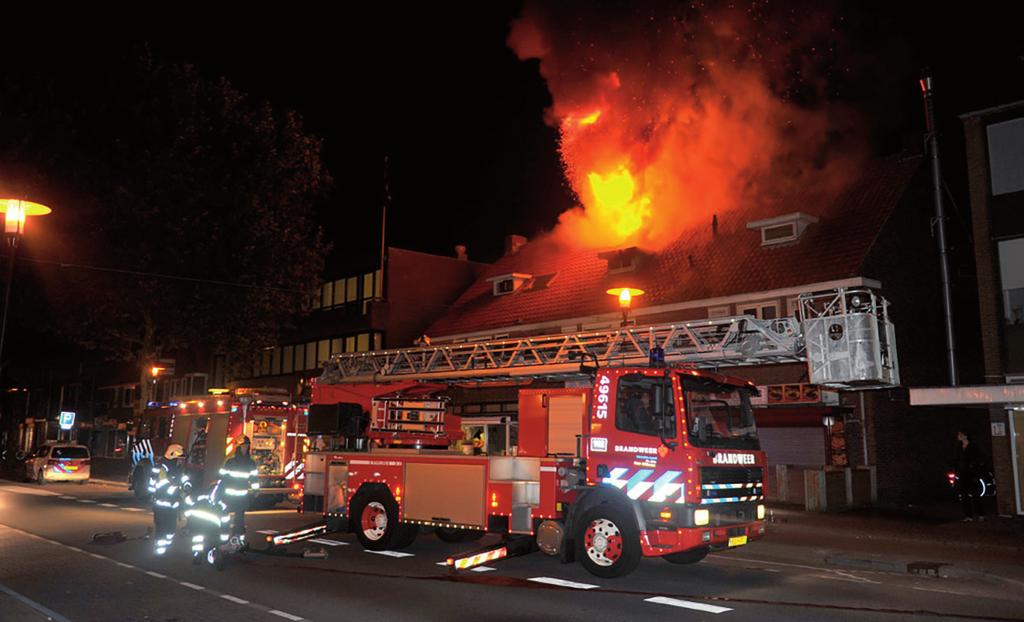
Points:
x=363, y=342
x=507, y=283
x=325, y=295
x=378, y=284
x=782, y=229
x=275, y=365
x=1011, y=272
x=350, y=344
x=336, y=345
x=265, y=361
x=339, y=292
x=793, y=307
x=760, y=310
x=323, y=350
x=311, y=355
x=287, y=359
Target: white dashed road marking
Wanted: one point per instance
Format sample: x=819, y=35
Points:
x=124, y=565
x=85, y=500
x=108, y=505
x=563, y=583
x=49, y=613
x=156, y=574
x=67, y=498
x=133, y=509
x=234, y=599
x=285, y=615
x=22, y=490
x=268, y=532
x=686, y=604
x=192, y=585
x=390, y=553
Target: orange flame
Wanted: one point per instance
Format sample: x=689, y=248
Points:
x=664, y=121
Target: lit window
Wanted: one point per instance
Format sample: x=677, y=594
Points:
x=300, y=357
x=352, y=287
x=378, y=285
x=323, y=350
x=336, y=345
x=325, y=295
x=287, y=359
x=311, y=355
x=368, y=285
x=363, y=342
x=266, y=355
x=339, y=292
x=508, y=283
x=378, y=341
x=350, y=344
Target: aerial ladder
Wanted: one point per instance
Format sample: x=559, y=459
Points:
x=844, y=335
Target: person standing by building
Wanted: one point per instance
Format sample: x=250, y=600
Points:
x=970, y=469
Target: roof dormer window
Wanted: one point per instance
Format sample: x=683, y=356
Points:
x=505, y=284
x=782, y=229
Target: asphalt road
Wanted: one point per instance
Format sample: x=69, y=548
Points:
x=51, y=569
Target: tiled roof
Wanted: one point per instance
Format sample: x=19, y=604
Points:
x=700, y=264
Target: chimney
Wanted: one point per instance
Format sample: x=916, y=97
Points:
x=460, y=252
x=514, y=242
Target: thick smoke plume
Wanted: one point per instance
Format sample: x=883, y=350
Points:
x=669, y=114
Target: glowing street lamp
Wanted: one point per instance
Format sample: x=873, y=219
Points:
x=15, y=212
x=625, y=296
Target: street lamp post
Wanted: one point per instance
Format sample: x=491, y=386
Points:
x=625, y=296
x=15, y=211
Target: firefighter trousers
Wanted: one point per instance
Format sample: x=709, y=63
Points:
x=165, y=523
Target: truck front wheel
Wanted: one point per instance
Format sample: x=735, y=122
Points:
x=608, y=541
x=376, y=520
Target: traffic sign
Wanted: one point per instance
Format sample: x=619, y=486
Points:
x=67, y=420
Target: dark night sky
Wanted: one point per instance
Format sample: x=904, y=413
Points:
x=461, y=117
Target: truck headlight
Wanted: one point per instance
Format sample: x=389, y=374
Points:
x=701, y=517
x=760, y=512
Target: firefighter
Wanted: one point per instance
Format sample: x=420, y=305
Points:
x=238, y=477
x=167, y=483
x=208, y=522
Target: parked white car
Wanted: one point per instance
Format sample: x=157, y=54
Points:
x=59, y=462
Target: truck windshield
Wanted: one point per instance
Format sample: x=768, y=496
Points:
x=719, y=414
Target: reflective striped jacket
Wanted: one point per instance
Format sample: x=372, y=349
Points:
x=167, y=484
x=238, y=476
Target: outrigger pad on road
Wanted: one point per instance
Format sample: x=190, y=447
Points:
x=109, y=537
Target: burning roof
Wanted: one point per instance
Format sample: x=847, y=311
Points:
x=702, y=262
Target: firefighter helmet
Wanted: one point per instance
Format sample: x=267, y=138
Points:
x=241, y=440
x=174, y=450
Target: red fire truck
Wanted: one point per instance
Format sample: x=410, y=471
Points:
x=625, y=458
x=207, y=426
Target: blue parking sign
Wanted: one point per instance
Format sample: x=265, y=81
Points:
x=67, y=420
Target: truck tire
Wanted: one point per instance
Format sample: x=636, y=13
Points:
x=375, y=520
x=686, y=557
x=140, y=481
x=608, y=541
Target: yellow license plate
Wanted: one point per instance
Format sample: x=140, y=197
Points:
x=738, y=541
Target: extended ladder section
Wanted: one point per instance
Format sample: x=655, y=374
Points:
x=842, y=357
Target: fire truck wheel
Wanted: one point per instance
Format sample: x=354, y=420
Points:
x=376, y=515
x=608, y=541
x=686, y=557
x=140, y=483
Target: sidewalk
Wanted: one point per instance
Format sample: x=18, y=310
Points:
x=927, y=540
